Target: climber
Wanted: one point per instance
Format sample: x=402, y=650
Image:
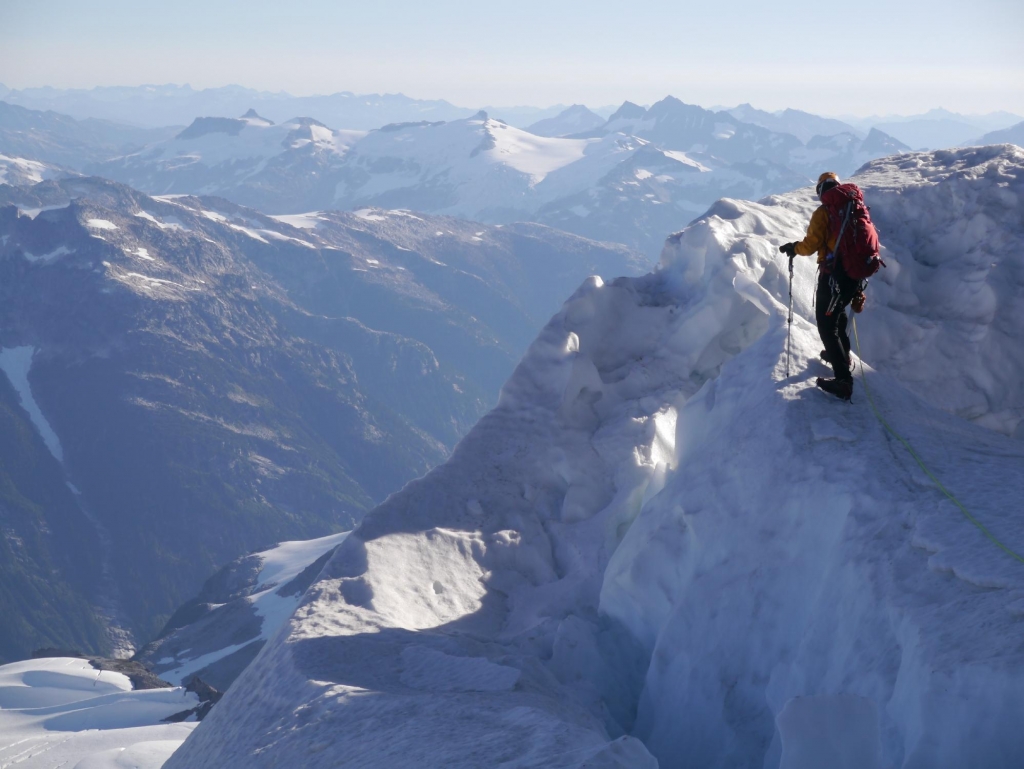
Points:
x=836, y=288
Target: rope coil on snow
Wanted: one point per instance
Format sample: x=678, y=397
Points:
x=920, y=462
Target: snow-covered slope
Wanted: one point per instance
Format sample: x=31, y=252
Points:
x=63, y=712
x=658, y=533
x=15, y=171
x=478, y=168
x=215, y=635
x=248, y=159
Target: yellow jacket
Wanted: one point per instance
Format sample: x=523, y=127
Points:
x=817, y=238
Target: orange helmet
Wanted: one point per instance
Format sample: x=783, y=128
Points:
x=828, y=176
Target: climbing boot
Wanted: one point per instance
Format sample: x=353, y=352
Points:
x=841, y=388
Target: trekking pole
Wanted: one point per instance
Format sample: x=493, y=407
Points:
x=789, y=322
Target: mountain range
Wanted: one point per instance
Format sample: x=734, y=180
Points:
x=157, y=106
x=937, y=128
x=629, y=178
x=60, y=139
x=569, y=169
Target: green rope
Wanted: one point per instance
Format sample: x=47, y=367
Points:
x=918, y=459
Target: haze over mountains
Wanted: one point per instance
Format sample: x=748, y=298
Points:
x=156, y=106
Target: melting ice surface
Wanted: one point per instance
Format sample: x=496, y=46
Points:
x=658, y=550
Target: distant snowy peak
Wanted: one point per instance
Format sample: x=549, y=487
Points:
x=843, y=152
x=628, y=111
x=675, y=125
x=802, y=125
x=261, y=137
x=535, y=156
x=575, y=119
x=249, y=159
x=478, y=167
x=882, y=143
x=253, y=118
x=202, y=126
x=16, y=171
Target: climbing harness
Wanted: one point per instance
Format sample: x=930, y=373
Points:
x=920, y=462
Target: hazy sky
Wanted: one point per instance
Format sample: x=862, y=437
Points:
x=834, y=57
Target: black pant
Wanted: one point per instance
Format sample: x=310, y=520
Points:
x=832, y=327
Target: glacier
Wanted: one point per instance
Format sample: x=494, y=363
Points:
x=659, y=550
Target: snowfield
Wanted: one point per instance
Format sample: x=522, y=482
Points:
x=15, y=170
x=658, y=550
x=203, y=648
x=62, y=712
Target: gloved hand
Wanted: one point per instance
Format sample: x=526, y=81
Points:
x=858, y=302
x=789, y=249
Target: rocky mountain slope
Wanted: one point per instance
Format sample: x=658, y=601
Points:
x=576, y=119
x=1012, y=135
x=186, y=381
x=659, y=549
x=56, y=138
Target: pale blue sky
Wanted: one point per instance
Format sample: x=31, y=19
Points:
x=846, y=56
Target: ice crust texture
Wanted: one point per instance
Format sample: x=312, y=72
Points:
x=657, y=534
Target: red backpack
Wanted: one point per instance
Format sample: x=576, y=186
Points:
x=856, y=239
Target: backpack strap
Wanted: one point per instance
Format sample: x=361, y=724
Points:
x=839, y=238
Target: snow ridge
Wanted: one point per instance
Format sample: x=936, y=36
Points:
x=657, y=535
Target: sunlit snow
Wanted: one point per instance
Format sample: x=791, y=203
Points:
x=62, y=712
